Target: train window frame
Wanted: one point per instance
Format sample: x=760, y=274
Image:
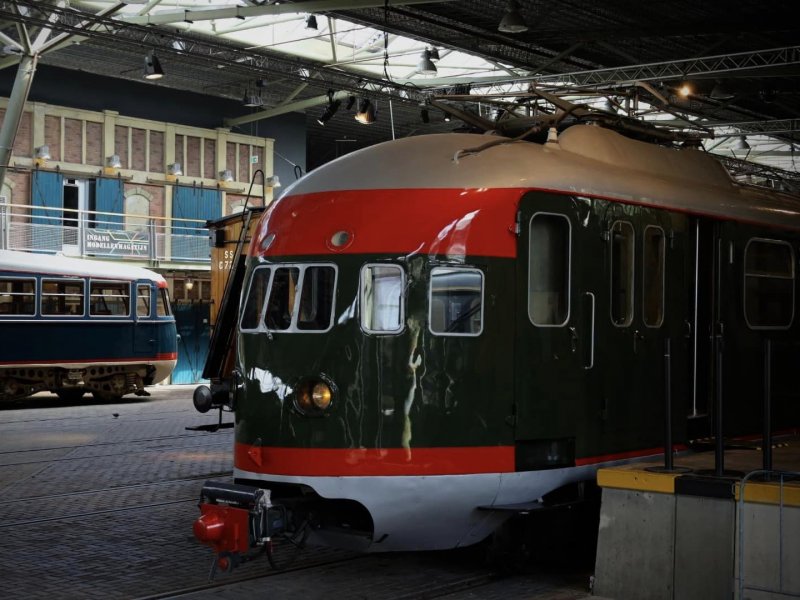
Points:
x=42, y=295
x=13, y=315
x=568, y=279
x=99, y=281
x=631, y=270
x=294, y=318
x=260, y=316
x=149, y=301
x=163, y=307
x=663, y=281
x=363, y=301
x=430, y=301
x=745, y=275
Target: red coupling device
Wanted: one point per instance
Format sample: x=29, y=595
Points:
x=224, y=528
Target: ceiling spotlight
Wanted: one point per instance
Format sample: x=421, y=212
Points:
x=426, y=118
x=426, y=66
x=434, y=52
x=740, y=144
x=685, y=90
x=365, y=113
x=330, y=110
x=152, y=66
x=252, y=100
x=720, y=92
x=311, y=22
x=512, y=21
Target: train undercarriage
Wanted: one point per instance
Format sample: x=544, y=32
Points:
x=104, y=382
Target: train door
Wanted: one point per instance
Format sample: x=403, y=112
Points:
x=554, y=346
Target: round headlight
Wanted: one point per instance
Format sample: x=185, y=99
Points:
x=304, y=402
x=321, y=396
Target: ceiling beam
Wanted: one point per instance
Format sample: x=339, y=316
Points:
x=242, y=12
x=285, y=108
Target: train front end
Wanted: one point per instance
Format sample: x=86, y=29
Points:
x=374, y=362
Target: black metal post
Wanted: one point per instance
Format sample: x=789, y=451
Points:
x=719, y=450
x=667, y=406
x=766, y=442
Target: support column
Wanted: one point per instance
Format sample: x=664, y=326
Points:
x=16, y=106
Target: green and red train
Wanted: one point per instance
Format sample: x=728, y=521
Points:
x=434, y=327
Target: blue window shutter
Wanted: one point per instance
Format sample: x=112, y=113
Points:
x=47, y=191
x=195, y=203
x=109, y=198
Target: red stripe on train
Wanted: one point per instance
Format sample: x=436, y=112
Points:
x=335, y=462
x=479, y=222
x=343, y=462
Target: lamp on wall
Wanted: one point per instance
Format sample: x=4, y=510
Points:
x=273, y=181
x=41, y=155
x=226, y=176
x=189, y=284
x=174, y=169
x=113, y=162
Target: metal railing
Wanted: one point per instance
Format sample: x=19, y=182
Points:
x=777, y=479
x=90, y=233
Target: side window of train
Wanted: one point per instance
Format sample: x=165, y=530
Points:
x=62, y=297
x=653, y=263
x=142, y=300
x=622, y=248
x=109, y=298
x=255, y=299
x=549, y=261
x=162, y=306
x=456, y=301
x=381, y=294
x=17, y=296
x=768, y=284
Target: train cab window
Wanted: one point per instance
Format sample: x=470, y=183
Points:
x=63, y=297
x=300, y=298
x=622, y=246
x=17, y=297
x=768, y=284
x=280, y=307
x=142, y=300
x=162, y=307
x=382, y=298
x=456, y=301
x=109, y=298
x=549, y=270
x=653, y=276
x=316, y=299
x=256, y=295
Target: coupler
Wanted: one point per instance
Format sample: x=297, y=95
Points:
x=235, y=520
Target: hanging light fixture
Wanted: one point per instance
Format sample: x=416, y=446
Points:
x=311, y=22
x=351, y=100
x=365, y=113
x=252, y=99
x=330, y=110
x=434, y=53
x=741, y=144
x=152, y=66
x=425, y=66
x=512, y=21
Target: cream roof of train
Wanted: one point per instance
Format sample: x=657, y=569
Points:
x=62, y=265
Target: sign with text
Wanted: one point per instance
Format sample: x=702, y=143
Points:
x=101, y=242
